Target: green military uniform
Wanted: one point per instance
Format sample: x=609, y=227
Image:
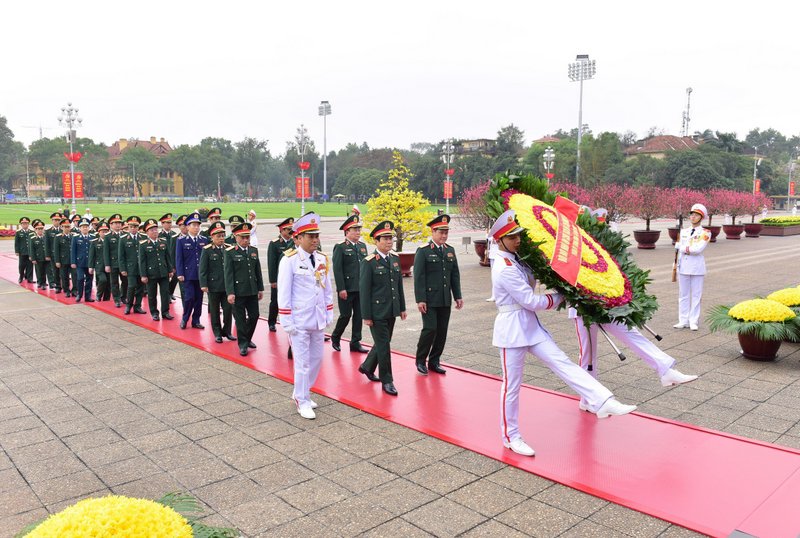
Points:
x=346, y=260
x=212, y=278
x=213, y=212
x=21, y=238
x=97, y=262
x=382, y=300
x=437, y=282
x=155, y=265
x=128, y=256
x=61, y=259
x=243, y=279
x=50, y=235
x=37, y=250
x=111, y=260
x=275, y=251
x=234, y=221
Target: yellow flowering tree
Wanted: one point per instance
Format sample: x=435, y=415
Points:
x=396, y=201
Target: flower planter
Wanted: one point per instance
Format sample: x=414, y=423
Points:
x=714, y=232
x=406, y=262
x=646, y=239
x=480, y=250
x=781, y=230
x=674, y=234
x=758, y=350
x=733, y=231
x=753, y=229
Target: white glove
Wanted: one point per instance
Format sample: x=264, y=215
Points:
x=290, y=330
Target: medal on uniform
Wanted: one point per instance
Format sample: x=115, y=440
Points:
x=319, y=274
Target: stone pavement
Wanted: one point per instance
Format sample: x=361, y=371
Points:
x=91, y=405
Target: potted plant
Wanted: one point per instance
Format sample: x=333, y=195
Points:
x=732, y=203
x=789, y=297
x=712, y=205
x=681, y=201
x=755, y=205
x=760, y=324
x=647, y=202
x=472, y=212
x=609, y=196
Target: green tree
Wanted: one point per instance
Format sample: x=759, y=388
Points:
x=48, y=154
x=251, y=161
x=141, y=165
x=12, y=155
x=395, y=201
x=359, y=182
x=693, y=170
x=95, y=165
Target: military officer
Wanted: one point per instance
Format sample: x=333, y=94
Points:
x=61, y=252
x=346, y=259
x=155, y=269
x=171, y=237
x=518, y=331
x=111, y=260
x=79, y=258
x=244, y=285
x=305, y=304
x=37, y=250
x=53, y=277
x=128, y=256
x=93, y=223
x=21, y=238
x=437, y=282
x=234, y=221
x=214, y=215
x=691, y=268
x=212, y=282
x=382, y=300
x=75, y=231
x=275, y=252
x=187, y=264
x=97, y=262
x=183, y=231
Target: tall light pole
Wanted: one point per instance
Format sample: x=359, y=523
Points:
x=324, y=111
x=756, y=162
x=792, y=159
x=302, y=143
x=582, y=69
x=69, y=119
x=448, y=150
x=549, y=158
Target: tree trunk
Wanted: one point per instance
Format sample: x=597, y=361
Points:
x=399, y=239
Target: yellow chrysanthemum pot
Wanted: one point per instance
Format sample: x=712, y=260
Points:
x=760, y=324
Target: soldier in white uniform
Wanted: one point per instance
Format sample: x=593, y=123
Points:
x=691, y=269
x=305, y=306
x=517, y=332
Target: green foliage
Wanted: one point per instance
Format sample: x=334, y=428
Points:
x=719, y=320
x=139, y=164
x=190, y=508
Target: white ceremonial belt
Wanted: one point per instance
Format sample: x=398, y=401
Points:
x=508, y=307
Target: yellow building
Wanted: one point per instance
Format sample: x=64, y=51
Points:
x=167, y=182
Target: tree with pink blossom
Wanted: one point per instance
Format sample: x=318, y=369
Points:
x=681, y=201
x=608, y=196
x=647, y=202
x=755, y=203
x=472, y=206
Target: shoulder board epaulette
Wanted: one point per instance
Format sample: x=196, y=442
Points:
x=368, y=258
x=276, y=240
x=393, y=253
x=343, y=242
x=143, y=241
x=208, y=245
x=230, y=247
x=322, y=254
x=290, y=252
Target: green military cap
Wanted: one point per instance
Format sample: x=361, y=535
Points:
x=214, y=212
x=385, y=227
x=181, y=220
x=24, y=220
x=216, y=228
x=116, y=217
x=102, y=226
x=286, y=223
x=95, y=220
x=353, y=221
x=149, y=223
x=64, y=221
x=56, y=215
x=133, y=219
x=442, y=222
x=75, y=217
x=235, y=220
x=38, y=223
x=166, y=218
x=243, y=229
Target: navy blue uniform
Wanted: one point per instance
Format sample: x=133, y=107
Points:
x=79, y=256
x=187, y=265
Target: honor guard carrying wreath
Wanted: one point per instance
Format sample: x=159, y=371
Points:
x=244, y=286
x=155, y=269
x=129, y=265
x=346, y=259
x=691, y=268
x=275, y=252
x=518, y=331
x=305, y=306
x=187, y=266
x=37, y=250
x=382, y=300
x=212, y=283
x=437, y=282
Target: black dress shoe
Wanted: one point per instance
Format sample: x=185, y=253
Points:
x=421, y=368
x=438, y=369
x=251, y=345
x=272, y=328
x=78, y=299
x=358, y=348
x=58, y=290
x=139, y=310
x=370, y=375
x=218, y=339
x=336, y=345
x=19, y=281
x=230, y=337
x=183, y=324
x=327, y=338
x=243, y=351
x=156, y=318
x=389, y=389
x=198, y=326
x=167, y=315
x=127, y=310
x=89, y=300
x=116, y=303
x=289, y=354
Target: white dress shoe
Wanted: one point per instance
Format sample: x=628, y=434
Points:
x=583, y=405
x=314, y=404
x=693, y=327
x=674, y=377
x=520, y=447
x=307, y=412
x=680, y=326
x=490, y=300
x=614, y=407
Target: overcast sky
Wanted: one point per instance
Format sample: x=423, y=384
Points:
x=395, y=72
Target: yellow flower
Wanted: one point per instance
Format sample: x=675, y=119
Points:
x=120, y=517
x=761, y=310
x=788, y=296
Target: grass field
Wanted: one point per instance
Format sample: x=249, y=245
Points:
x=11, y=213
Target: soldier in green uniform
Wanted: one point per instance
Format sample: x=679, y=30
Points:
x=61, y=257
x=21, y=239
x=214, y=215
x=171, y=236
x=275, y=252
x=212, y=282
x=155, y=269
x=53, y=278
x=382, y=300
x=436, y=282
x=128, y=257
x=37, y=250
x=234, y=221
x=347, y=257
x=97, y=262
x=244, y=285
x=111, y=260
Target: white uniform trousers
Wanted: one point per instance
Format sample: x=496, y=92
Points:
x=513, y=360
x=307, y=350
x=690, y=291
x=632, y=338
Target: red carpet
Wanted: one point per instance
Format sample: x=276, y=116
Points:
x=707, y=481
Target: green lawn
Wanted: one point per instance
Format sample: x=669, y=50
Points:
x=11, y=213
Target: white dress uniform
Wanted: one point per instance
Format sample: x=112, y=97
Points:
x=305, y=306
x=691, y=271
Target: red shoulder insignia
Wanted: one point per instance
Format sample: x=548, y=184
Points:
x=508, y=262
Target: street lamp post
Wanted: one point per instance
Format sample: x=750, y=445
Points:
x=549, y=157
x=582, y=69
x=448, y=150
x=324, y=111
x=302, y=142
x=792, y=159
x=69, y=119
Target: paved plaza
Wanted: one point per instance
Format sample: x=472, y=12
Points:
x=91, y=405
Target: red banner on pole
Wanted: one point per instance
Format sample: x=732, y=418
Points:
x=302, y=189
x=66, y=180
x=791, y=188
x=448, y=189
x=758, y=185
